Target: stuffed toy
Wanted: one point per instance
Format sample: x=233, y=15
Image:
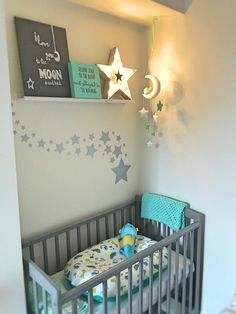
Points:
x=128, y=240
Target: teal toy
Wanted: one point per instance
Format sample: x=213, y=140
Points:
x=128, y=240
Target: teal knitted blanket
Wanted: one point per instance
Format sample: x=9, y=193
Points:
x=163, y=209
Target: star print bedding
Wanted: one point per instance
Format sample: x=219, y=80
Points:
x=103, y=256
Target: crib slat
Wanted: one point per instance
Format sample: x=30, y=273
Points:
x=105, y=297
x=58, y=260
x=185, y=240
x=130, y=290
x=122, y=217
x=98, y=230
x=107, y=227
x=78, y=239
x=129, y=215
x=160, y=283
x=141, y=287
x=74, y=306
x=150, y=294
x=68, y=244
x=169, y=279
x=89, y=234
x=90, y=301
x=197, y=290
x=31, y=248
x=191, y=236
x=114, y=224
x=177, y=273
x=118, y=294
x=36, y=308
x=45, y=303
x=45, y=255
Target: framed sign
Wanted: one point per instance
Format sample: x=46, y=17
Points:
x=44, y=57
x=84, y=80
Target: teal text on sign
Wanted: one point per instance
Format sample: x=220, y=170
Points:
x=84, y=80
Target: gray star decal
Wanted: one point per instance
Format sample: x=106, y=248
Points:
x=77, y=151
x=75, y=139
x=105, y=137
x=24, y=138
x=91, y=137
x=117, y=151
x=118, y=138
x=112, y=160
x=91, y=150
x=59, y=148
x=23, y=127
x=41, y=143
x=17, y=122
x=121, y=171
x=108, y=149
x=15, y=132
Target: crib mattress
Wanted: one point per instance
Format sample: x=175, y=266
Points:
x=98, y=307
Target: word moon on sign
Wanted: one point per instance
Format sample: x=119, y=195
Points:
x=84, y=80
x=44, y=57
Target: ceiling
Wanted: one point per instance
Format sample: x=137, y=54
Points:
x=138, y=11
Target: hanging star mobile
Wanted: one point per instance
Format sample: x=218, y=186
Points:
x=116, y=76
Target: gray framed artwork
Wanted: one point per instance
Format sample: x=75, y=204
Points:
x=44, y=56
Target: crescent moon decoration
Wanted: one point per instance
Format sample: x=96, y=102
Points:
x=152, y=92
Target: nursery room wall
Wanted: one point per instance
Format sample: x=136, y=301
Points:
x=195, y=161
x=59, y=185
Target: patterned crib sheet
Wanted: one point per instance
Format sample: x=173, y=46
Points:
x=103, y=256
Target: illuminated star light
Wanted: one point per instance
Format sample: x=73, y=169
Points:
x=150, y=144
x=155, y=117
x=113, y=73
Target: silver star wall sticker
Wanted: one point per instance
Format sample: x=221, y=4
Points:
x=91, y=137
x=91, y=150
x=77, y=151
x=108, y=149
x=75, y=139
x=105, y=137
x=117, y=151
x=121, y=171
x=59, y=148
x=41, y=143
x=25, y=138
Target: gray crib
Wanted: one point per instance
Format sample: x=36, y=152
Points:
x=177, y=289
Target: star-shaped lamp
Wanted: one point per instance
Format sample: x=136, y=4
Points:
x=116, y=76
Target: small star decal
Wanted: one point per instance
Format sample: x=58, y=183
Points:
x=15, y=132
x=30, y=83
x=143, y=112
x=41, y=143
x=118, y=138
x=105, y=137
x=17, y=122
x=121, y=171
x=33, y=134
x=91, y=150
x=117, y=151
x=24, y=138
x=159, y=106
x=13, y=113
x=112, y=160
x=59, y=148
x=77, y=151
x=150, y=144
x=75, y=139
x=23, y=127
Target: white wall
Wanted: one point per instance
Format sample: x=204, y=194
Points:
x=11, y=272
x=53, y=188
x=196, y=159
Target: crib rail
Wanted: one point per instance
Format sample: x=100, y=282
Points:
x=183, y=288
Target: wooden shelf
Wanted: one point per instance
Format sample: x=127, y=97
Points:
x=77, y=100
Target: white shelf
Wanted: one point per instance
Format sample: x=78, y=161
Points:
x=77, y=100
